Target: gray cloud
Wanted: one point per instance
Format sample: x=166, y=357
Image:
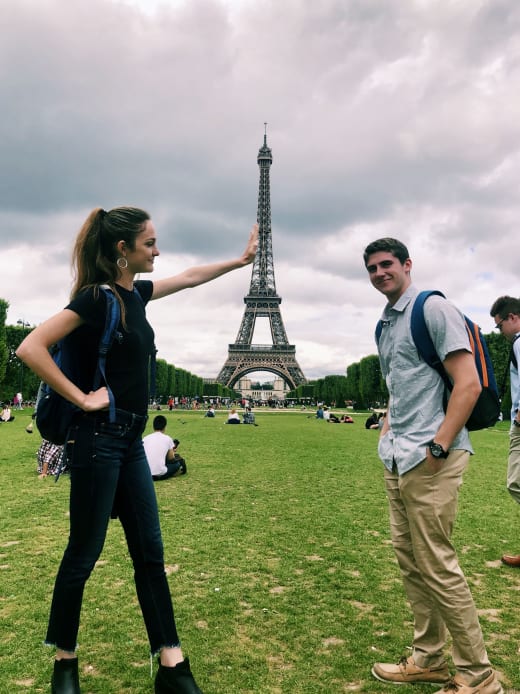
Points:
x=399, y=118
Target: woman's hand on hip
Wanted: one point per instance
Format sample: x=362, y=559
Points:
x=96, y=400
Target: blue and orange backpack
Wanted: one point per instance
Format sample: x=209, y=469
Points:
x=487, y=408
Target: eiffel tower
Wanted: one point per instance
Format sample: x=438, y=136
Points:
x=262, y=302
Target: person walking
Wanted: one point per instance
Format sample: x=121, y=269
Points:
x=109, y=473
x=506, y=312
x=425, y=452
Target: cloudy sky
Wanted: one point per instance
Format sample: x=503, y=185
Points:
x=386, y=118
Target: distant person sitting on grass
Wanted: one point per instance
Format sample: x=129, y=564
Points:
x=233, y=417
x=210, y=412
x=6, y=415
x=248, y=416
x=160, y=452
x=372, y=422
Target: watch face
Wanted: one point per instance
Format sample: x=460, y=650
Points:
x=436, y=450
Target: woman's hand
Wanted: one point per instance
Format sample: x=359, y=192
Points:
x=194, y=276
x=252, y=246
x=96, y=400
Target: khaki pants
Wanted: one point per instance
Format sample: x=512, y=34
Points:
x=513, y=466
x=423, y=507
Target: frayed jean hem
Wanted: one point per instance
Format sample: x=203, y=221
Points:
x=51, y=644
x=166, y=645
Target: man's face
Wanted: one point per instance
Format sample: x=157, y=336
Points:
x=388, y=275
x=508, y=326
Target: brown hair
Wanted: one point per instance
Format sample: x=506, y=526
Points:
x=389, y=245
x=505, y=305
x=94, y=256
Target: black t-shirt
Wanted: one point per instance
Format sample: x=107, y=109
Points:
x=127, y=360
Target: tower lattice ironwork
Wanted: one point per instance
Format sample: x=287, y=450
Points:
x=262, y=302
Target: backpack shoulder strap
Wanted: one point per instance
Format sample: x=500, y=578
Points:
x=421, y=335
x=480, y=351
x=112, y=317
x=513, y=359
x=379, y=328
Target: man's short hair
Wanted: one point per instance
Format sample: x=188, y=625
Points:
x=388, y=245
x=505, y=305
x=159, y=422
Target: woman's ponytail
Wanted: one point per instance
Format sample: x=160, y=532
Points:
x=94, y=255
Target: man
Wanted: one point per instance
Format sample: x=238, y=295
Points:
x=249, y=417
x=425, y=452
x=506, y=312
x=160, y=452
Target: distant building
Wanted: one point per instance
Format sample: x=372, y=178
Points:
x=263, y=392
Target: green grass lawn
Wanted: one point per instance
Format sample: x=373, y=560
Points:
x=279, y=560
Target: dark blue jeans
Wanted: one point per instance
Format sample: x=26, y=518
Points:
x=109, y=472
x=173, y=467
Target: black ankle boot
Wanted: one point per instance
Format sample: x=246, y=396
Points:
x=65, y=678
x=176, y=680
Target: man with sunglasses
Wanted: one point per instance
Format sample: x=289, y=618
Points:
x=506, y=312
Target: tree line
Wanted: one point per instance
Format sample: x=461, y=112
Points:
x=363, y=384
x=365, y=388
x=15, y=377
x=173, y=381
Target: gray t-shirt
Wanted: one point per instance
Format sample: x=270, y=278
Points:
x=416, y=390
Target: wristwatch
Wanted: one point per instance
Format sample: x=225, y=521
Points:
x=437, y=450
x=516, y=422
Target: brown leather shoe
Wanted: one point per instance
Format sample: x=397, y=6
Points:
x=511, y=560
x=489, y=684
x=407, y=671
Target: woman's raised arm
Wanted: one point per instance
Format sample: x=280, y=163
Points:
x=201, y=274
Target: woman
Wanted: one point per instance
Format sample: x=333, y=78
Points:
x=6, y=415
x=233, y=417
x=108, y=469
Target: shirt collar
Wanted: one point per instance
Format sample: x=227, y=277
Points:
x=403, y=301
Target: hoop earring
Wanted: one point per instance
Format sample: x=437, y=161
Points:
x=122, y=263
